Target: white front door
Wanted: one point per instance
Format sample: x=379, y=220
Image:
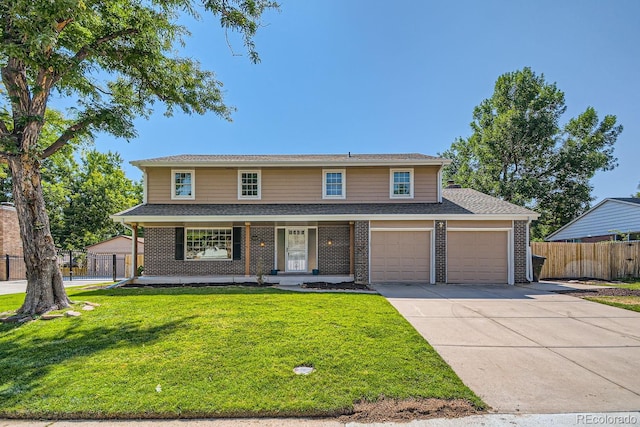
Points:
x=296, y=249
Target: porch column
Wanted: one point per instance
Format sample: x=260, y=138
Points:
x=351, y=248
x=247, y=248
x=134, y=251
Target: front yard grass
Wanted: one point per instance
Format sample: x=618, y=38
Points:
x=629, y=284
x=216, y=352
x=626, y=302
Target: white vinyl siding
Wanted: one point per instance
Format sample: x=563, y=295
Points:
x=610, y=217
x=183, y=184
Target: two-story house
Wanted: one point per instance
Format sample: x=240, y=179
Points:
x=376, y=217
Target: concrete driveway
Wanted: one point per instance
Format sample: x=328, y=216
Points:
x=525, y=350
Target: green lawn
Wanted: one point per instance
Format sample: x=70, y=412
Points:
x=629, y=284
x=627, y=302
x=207, y=352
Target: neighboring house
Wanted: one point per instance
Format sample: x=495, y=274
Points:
x=100, y=256
x=608, y=220
x=10, y=240
x=376, y=217
x=119, y=245
x=11, y=244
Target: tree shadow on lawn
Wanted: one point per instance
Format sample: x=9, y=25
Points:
x=28, y=358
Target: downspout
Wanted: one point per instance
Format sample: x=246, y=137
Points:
x=440, y=184
x=529, y=263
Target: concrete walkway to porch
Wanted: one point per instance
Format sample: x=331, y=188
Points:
x=524, y=349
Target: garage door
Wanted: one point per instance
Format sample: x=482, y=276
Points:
x=400, y=256
x=477, y=257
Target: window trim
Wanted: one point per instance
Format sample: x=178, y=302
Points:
x=344, y=184
x=256, y=171
x=175, y=196
x=392, y=182
x=186, y=232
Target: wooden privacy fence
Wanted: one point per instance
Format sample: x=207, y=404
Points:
x=602, y=260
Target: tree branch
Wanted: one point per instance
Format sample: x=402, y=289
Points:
x=66, y=136
x=3, y=128
x=85, y=51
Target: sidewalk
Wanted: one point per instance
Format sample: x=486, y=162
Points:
x=20, y=286
x=490, y=420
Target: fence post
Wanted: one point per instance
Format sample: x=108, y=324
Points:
x=114, y=267
x=70, y=265
x=7, y=263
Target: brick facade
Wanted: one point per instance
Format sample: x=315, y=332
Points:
x=11, y=244
x=159, y=258
x=334, y=258
x=261, y=257
x=10, y=241
x=160, y=253
x=441, y=251
x=520, y=251
x=361, y=229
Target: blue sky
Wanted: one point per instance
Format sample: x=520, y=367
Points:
x=403, y=76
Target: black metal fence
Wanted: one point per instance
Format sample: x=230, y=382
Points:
x=14, y=268
x=73, y=265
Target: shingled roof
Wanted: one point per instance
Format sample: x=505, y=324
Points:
x=279, y=159
x=458, y=201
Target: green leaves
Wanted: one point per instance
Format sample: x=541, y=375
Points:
x=116, y=58
x=521, y=153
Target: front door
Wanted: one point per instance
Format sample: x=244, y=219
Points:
x=296, y=249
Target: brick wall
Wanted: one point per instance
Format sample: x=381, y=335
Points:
x=334, y=258
x=262, y=257
x=10, y=242
x=441, y=251
x=361, y=229
x=159, y=258
x=520, y=251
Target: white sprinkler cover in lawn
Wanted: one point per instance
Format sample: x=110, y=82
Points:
x=303, y=370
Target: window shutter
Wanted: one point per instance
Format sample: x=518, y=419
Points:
x=179, y=243
x=237, y=243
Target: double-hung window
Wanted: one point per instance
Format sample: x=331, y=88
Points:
x=334, y=184
x=211, y=244
x=183, y=184
x=249, y=185
x=401, y=184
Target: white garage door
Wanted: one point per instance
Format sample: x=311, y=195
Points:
x=400, y=256
x=477, y=257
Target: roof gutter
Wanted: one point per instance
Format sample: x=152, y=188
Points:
x=149, y=219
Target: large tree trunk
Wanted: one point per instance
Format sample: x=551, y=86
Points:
x=45, y=290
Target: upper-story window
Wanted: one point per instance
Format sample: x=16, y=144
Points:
x=249, y=184
x=401, y=185
x=334, y=184
x=183, y=184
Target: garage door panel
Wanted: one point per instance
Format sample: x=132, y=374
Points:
x=477, y=257
x=400, y=256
